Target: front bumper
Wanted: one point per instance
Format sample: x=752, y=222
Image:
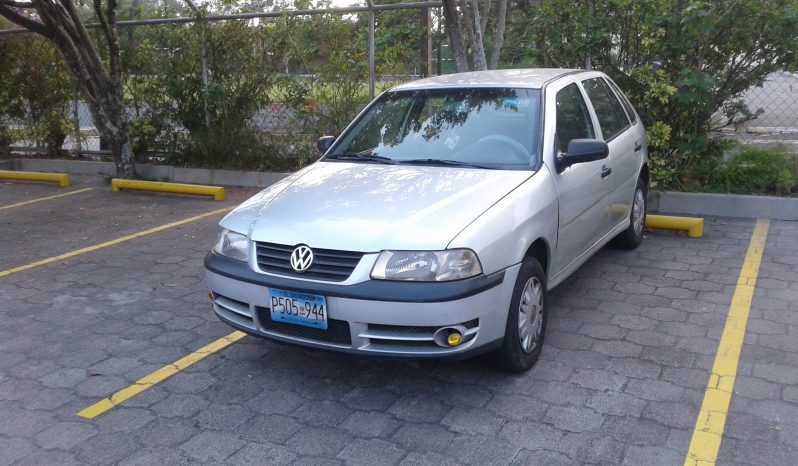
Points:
x=374, y=317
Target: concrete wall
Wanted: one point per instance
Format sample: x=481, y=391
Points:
x=153, y=172
x=726, y=205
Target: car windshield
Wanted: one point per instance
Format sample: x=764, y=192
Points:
x=481, y=127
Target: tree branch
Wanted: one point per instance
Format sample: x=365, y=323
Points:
x=16, y=4
x=24, y=21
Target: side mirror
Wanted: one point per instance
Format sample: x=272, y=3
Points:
x=324, y=143
x=581, y=151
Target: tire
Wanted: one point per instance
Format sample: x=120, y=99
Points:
x=633, y=236
x=518, y=354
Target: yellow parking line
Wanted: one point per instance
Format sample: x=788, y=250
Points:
x=158, y=376
x=123, y=239
x=32, y=201
x=711, y=421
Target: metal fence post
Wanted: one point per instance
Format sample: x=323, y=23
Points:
x=372, y=72
x=76, y=117
x=204, y=57
x=204, y=62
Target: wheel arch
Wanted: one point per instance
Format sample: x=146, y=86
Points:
x=645, y=175
x=539, y=249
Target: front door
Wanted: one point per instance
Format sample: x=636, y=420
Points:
x=583, y=189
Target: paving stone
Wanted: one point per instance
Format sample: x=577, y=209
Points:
x=574, y=418
x=636, y=430
x=616, y=403
x=592, y=448
x=418, y=409
x=212, y=446
x=618, y=349
x=652, y=456
x=12, y=449
x=168, y=432
x=531, y=435
x=255, y=454
x=189, y=382
x=322, y=413
x=423, y=437
x=179, y=405
x=752, y=387
x=124, y=419
x=107, y=448
x=318, y=441
x=472, y=421
x=371, y=424
x=269, y=428
x=65, y=435
x=547, y=457
x=517, y=407
x=746, y=426
x=481, y=450
x=371, y=452
x=222, y=417
x=367, y=398
x=678, y=415
x=598, y=379
x=41, y=457
x=424, y=459
x=156, y=455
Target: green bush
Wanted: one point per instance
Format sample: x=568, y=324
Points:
x=730, y=168
x=759, y=170
x=681, y=62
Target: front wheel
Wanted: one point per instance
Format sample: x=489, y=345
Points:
x=633, y=236
x=526, y=320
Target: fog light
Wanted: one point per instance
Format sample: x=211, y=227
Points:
x=454, y=338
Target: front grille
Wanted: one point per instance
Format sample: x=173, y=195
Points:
x=337, y=330
x=328, y=264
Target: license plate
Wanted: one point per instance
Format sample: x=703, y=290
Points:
x=308, y=310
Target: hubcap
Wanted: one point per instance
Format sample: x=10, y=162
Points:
x=638, y=212
x=530, y=315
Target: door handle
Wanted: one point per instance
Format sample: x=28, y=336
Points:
x=638, y=145
x=605, y=171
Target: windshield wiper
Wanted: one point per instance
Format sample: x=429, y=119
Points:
x=444, y=162
x=366, y=158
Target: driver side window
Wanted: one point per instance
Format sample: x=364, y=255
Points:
x=573, y=119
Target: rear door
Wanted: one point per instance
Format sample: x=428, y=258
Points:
x=616, y=129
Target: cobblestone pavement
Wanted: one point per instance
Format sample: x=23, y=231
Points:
x=631, y=339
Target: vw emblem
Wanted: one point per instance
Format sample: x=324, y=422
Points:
x=301, y=258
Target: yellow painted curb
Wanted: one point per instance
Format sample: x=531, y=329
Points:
x=692, y=225
x=60, y=178
x=216, y=191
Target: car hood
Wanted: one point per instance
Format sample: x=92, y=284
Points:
x=368, y=208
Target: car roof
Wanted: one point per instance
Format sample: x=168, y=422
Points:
x=534, y=78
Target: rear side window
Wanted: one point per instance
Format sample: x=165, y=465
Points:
x=624, y=101
x=573, y=119
x=611, y=116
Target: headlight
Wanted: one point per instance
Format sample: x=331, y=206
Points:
x=426, y=266
x=233, y=245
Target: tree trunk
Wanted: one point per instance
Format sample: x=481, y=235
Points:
x=485, y=13
x=451, y=18
x=498, y=38
x=477, y=48
x=62, y=24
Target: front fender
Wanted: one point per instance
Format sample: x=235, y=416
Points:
x=502, y=235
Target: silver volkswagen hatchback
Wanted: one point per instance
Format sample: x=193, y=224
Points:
x=435, y=224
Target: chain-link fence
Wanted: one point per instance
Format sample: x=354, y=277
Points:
x=250, y=94
x=776, y=105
